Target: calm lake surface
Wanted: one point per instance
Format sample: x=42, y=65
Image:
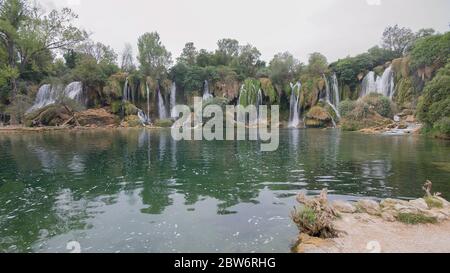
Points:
x=140, y=191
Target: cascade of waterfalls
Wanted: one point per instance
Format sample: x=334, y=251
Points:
x=161, y=106
x=173, y=101
x=369, y=84
x=206, y=93
x=332, y=94
x=50, y=94
x=294, y=115
x=383, y=85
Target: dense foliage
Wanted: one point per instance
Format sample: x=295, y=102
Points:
x=434, y=105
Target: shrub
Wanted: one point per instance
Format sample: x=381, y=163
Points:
x=116, y=107
x=433, y=202
x=415, y=218
x=381, y=104
x=165, y=123
x=318, y=113
x=442, y=127
x=346, y=106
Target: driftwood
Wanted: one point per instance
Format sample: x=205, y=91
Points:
x=315, y=217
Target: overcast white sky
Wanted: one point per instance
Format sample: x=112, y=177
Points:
x=336, y=28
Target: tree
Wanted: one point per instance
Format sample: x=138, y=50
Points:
x=189, y=54
x=318, y=64
x=228, y=49
x=30, y=35
x=424, y=32
x=248, y=62
x=127, y=63
x=284, y=68
x=100, y=52
x=431, y=50
x=153, y=56
x=398, y=39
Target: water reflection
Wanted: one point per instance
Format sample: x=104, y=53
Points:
x=139, y=190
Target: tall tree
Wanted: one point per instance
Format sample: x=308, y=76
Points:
x=127, y=63
x=398, y=39
x=317, y=64
x=153, y=56
x=228, y=49
x=28, y=34
x=248, y=62
x=189, y=54
x=284, y=68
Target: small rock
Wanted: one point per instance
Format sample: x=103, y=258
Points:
x=388, y=216
x=343, y=207
x=397, y=118
x=369, y=206
x=406, y=209
x=419, y=203
x=390, y=203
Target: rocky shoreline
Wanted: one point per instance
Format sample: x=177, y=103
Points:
x=391, y=225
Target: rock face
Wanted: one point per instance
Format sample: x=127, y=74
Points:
x=96, y=117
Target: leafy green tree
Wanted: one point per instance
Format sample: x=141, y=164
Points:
x=30, y=35
x=153, y=55
x=189, y=54
x=248, y=61
x=431, y=50
x=317, y=64
x=284, y=68
x=228, y=49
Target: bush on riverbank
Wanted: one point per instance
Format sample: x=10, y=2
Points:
x=370, y=111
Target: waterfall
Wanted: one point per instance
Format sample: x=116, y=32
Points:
x=148, y=100
x=369, y=84
x=332, y=94
x=173, y=101
x=294, y=116
x=383, y=85
x=206, y=93
x=161, y=106
x=126, y=95
x=50, y=94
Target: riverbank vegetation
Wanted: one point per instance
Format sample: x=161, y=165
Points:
x=39, y=47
